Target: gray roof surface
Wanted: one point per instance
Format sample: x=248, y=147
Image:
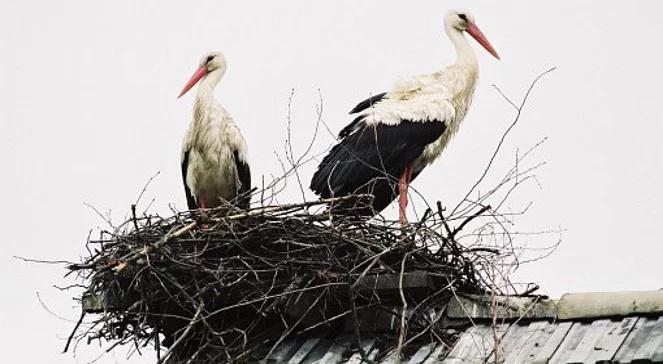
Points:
x=624, y=327
x=632, y=339
x=620, y=341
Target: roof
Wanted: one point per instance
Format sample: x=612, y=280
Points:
x=620, y=327
x=569, y=306
x=604, y=340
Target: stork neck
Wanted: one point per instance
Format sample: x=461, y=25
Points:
x=208, y=83
x=205, y=95
x=464, y=52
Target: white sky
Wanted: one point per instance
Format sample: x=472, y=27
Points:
x=88, y=113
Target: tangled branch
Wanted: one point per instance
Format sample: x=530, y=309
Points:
x=225, y=285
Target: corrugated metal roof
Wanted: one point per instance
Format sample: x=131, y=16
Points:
x=631, y=339
x=622, y=327
x=553, y=342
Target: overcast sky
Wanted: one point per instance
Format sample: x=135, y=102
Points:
x=88, y=113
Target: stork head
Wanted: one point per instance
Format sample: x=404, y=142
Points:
x=463, y=21
x=210, y=62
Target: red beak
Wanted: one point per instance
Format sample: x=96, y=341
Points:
x=476, y=33
x=200, y=73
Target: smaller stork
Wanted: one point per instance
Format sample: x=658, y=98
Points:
x=396, y=134
x=215, y=167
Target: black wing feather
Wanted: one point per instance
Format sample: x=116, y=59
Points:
x=190, y=201
x=372, y=159
x=369, y=102
x=244, y=174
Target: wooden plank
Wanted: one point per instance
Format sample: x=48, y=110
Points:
x=465, y=344
x=539, y=333
x=507, y=342
x=98, y=303
x=390, y=359
x=657, y=355
x=507, y=307
x=92, y=303
x=569, y=343
x=611, y=340
x=552, y=344
x=412, y=280
x=437, y=355
x=585, y=350
x=319, y=351
x=304, y=351
x=374, y=321
x=482, y=344
x=373, y=354
x=652, y=343
x=336, y=351
x=284, y=351
x=366, y=346
x=489, y=347
x=422, y=353
x=635, y=339
x=515, y=341
x=657, y=349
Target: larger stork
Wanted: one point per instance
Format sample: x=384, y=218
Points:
x=397, y=134
x=215, y=167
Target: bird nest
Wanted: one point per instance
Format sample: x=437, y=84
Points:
x=229, y=285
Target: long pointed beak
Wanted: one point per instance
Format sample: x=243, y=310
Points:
x=200, y=73
x=476, y=33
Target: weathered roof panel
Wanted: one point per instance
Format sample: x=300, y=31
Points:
x=616, y=330
x=644, y=342
x=632, y=339
x=303, y=351
x=529, y=339
x=437, y=355
x=612, y=338
x=548, y=344
x=366, y=347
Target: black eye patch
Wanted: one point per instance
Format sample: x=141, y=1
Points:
x=209, y=59
x=463, y=17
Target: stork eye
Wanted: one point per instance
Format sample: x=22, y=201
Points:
x=209, y=59
x=462, y=17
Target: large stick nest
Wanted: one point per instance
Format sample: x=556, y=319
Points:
x=231, y=285
x=228, y=285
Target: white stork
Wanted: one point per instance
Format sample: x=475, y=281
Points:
x=215, y=167
x=398, y=133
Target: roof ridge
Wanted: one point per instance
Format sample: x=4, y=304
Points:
x=569, y=306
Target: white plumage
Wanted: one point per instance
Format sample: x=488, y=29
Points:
x=398, y=133
x=215, y=166
x=444, y=95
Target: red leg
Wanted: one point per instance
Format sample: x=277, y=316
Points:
x=403, y=185
x=202, y=205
